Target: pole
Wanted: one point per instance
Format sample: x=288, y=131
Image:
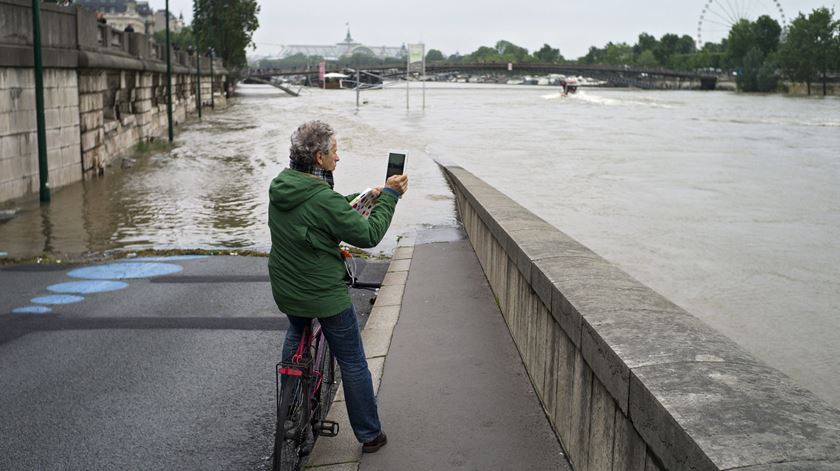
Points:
x=198, y=74
x=212, y=82
x=358, y=85
x=424, y=76
x=169, y=77
x=43, y=165
x=407, y=75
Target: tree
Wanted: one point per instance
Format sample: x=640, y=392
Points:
x=647, y=59
x=434, y=56
x=646, y=42
x=810, y=49
x=227, y=26
x=181, y=40
x=548, y=55
x=668, y=46
x=740, y=40
x=767, y=33
x=509, y=52
x=485, y=54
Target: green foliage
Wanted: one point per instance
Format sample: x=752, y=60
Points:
x=756, y=75
x=227, y=26
x=180, y=40
x=647, y=59
x=509, y=52
x=434, y=56
x=810, y=50
x=548, y=55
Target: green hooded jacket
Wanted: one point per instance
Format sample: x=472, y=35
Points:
x=308, y=220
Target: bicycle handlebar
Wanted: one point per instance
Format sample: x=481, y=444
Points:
x=363, y=284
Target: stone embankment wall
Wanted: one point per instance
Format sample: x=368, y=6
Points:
x=629, y=380
x=104, y=92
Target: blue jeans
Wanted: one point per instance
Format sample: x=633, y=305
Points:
x=345, y=341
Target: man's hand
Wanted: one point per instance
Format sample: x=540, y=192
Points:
x=376, y=191
x=399, y=183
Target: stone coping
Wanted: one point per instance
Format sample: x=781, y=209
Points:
x=344, y=452
x=697, y=399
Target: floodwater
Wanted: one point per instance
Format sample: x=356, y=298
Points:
x=729, y=205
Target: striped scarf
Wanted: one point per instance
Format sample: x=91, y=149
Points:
x=325, y=175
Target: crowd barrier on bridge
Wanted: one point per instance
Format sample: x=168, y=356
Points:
x=629, y=380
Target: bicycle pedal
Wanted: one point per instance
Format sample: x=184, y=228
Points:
x=327, y=428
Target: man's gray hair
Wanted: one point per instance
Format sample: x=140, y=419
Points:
x=309, y=138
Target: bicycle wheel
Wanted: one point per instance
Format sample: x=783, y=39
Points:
x=291, y=426
x=328, y=379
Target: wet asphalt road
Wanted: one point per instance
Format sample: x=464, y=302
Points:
x=170, y=372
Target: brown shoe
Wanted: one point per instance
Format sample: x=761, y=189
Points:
x=374, y=445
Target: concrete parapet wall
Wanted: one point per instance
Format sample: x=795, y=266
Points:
x=629, y=380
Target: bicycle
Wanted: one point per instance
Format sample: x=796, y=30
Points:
x=305, y=385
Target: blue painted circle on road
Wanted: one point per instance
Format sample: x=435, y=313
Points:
x=57, y=299
x=32, y=310
x=121, y=271
x=87, y=287
x=172, y=258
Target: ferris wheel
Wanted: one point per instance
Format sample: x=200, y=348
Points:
x=718, y=16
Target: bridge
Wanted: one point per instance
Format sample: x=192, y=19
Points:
x=613, y=75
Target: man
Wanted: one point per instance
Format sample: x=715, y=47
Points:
x=308, y=220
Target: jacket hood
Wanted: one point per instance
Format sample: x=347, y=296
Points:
x=291, y=188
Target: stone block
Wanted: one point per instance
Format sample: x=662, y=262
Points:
x=92, y=139
x=578, y=450
x=540, y=319
x=91, y=121
x=21, y=121
x=71, y=155
x=19, y=99
x=376, y=341
x=69, y=135
x=403, y=253
x=90, y=102
x=395, y=278
x=601, y=429
x=341, y=449
x=142, y=106
x=833, y=465
x=569, y=266
x=69, y=116
x=615, y=341
x=52, y=118
x=16, y=78
x=629, y=448
x=399, y=265
x=390, y=295
x=383, y=317
x=563, y=375
x=723, y=415
x=652, y=464
x=566, y=315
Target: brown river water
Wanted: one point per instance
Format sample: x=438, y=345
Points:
x=727, y=204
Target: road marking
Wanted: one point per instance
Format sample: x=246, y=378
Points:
x=121, y=271
x=171, y=258
x=87, y=287
x=57, y=299
x=32, y=310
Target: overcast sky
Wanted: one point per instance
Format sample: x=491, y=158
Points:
x=464, y=25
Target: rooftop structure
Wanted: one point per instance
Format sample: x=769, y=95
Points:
x=345, y=48
x=121, y=13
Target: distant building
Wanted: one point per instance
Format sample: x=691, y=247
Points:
x=121, y=13
x=346, y=48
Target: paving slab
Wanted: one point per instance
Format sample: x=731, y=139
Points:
x=454, y=392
